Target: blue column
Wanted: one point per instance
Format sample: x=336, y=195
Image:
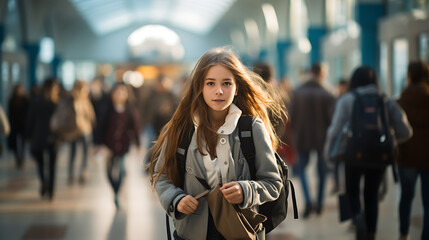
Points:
x=315, y=35
x=32, y=50
x=2, y=36
x=263, y=53
x=368, y=15
x=282, y=51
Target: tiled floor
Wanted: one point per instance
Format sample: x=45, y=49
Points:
x=87, y=212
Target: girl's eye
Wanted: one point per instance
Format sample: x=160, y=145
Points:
x=227, y=83
x=210, y=83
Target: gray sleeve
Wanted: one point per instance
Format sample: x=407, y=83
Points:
x=399, y=122
x=341, y=116
x=169, y=195
x=268, y=184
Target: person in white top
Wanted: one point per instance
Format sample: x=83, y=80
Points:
x=219, y=90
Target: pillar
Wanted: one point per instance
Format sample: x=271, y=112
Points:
x=368, y=15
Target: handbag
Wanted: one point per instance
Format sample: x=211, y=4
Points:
x=231, y=221
x=339, y=145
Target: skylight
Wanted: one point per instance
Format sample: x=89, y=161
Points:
x=195, y=16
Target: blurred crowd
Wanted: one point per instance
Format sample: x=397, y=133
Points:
x=108, y=121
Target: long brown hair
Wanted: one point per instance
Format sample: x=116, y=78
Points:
x=255, y=98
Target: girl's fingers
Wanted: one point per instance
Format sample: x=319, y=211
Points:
x=187, y=205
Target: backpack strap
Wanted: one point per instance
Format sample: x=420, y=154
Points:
x=386, y=122
x=246, y=140
x=182, y=149
x=167, y=225
x=181, y=153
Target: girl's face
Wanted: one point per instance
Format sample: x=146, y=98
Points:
x=219, y=89
x=120, y=95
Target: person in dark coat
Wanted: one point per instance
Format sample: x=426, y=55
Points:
x=120, y=128
x=413, y=157
x=43, y=145
x=18, y=107
x=311, y=110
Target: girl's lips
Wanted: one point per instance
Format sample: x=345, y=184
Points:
x=218, y=100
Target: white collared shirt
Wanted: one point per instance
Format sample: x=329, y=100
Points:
x=217, y=169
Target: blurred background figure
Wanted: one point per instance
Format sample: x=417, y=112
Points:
x=310, y=114
x=18, y=107
x=157, y=115
x=42, y=141
x=85, y=120
x=286, y=149
x=266, y=71
x=4, y=127
x=99, y=98
x=342, y=87
x=364, y=81
x=120, y=128
x=414, y=154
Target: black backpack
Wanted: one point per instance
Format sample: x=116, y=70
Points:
x=370, y=141
x=276, y=210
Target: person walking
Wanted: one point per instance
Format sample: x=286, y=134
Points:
x=42, y=140
x=120, y=127
x=310, y=115
x=85, y=120
x=219, y=91
x=413, y=157
x=364, y=81
x=18, y=108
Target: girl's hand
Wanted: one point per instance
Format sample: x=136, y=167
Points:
x=232, y=192
x=187, y=205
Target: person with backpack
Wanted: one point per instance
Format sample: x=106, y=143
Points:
x=413, y=155
x=370, y=143
x=219, y=91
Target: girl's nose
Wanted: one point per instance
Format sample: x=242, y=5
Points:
x=219, y=91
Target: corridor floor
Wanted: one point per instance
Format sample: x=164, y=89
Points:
x=87, y=211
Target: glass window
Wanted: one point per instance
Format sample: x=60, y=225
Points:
x=15, y=73
x=424, y=46
x=5, y=81
x=384, y=65
x=68, y=74
x=400, y=63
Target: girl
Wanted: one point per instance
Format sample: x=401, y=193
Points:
x=219, y=90
x=119, y=122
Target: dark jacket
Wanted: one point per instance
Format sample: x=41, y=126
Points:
x=18, y=108
x=120, y=129
x=38, y=123
x=311, y=111
x=414, y=153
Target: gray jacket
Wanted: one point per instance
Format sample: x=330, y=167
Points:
x=343, y=113
x=255, y=193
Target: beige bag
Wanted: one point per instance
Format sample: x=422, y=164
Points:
x=231, y=221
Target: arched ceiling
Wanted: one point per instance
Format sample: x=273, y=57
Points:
x=196, y=16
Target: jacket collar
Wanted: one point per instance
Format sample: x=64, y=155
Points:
x=231, y=120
